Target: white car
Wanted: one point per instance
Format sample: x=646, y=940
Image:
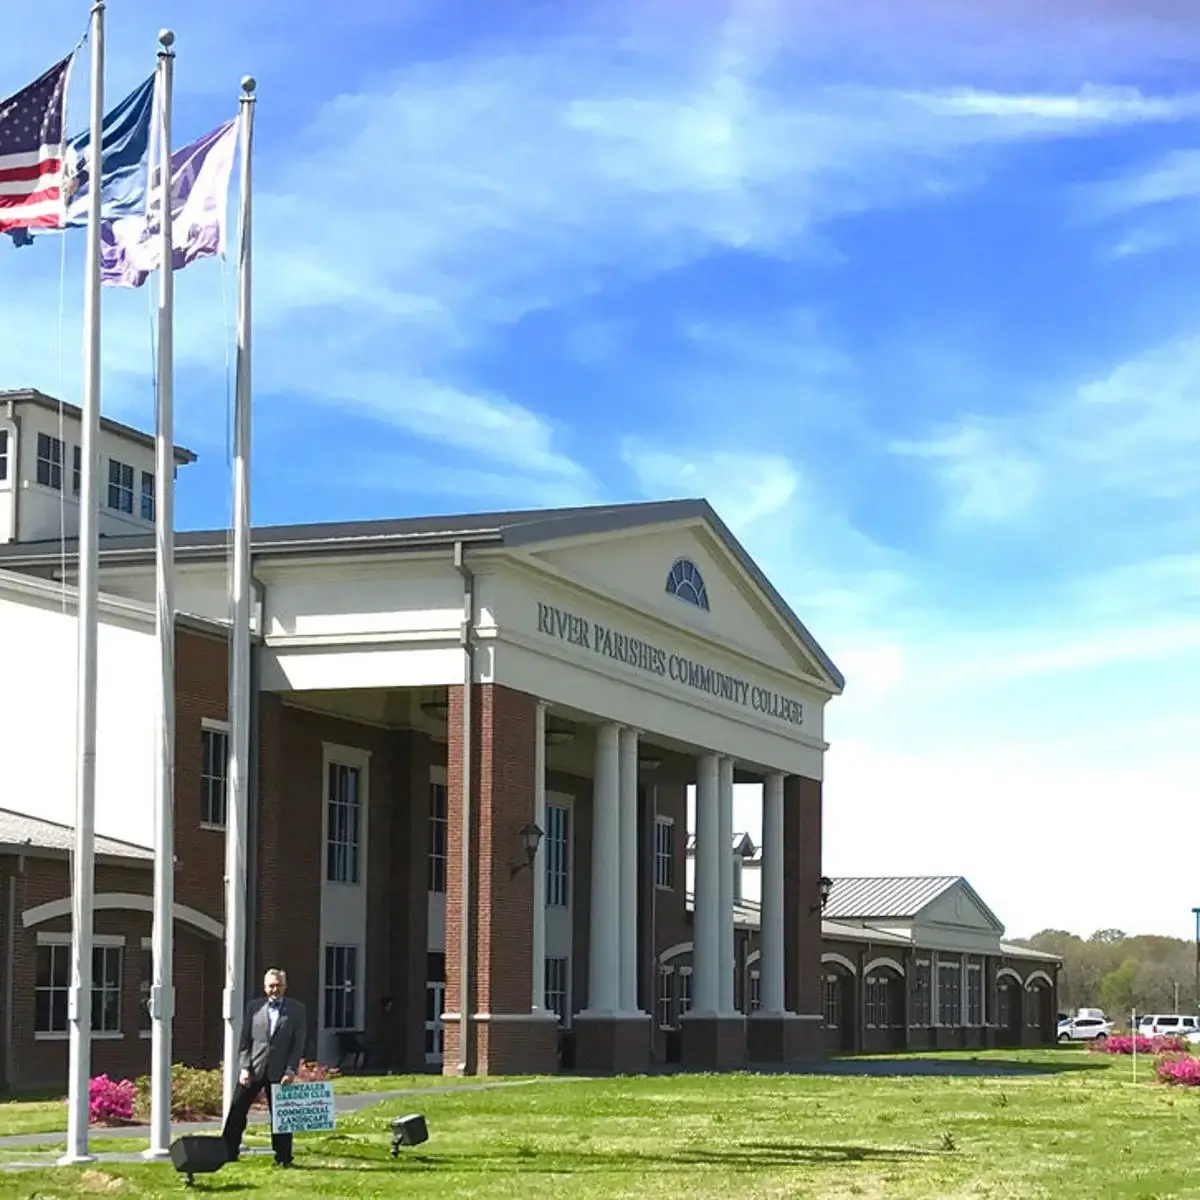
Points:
x=1084, y=1029
x=1169, y=1025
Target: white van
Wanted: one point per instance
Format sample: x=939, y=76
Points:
x=1167, y=1025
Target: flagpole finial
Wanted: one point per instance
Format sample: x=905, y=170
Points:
x=166, y=38
x=249, y=83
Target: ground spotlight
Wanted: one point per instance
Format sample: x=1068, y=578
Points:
x=408, y=1131
x=198, y=1154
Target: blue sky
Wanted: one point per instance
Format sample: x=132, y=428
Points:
x=911, y=300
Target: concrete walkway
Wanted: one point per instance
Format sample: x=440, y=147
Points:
x=347, y=1103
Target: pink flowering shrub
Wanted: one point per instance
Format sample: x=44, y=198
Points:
x=110, y=1101
x=1123, y=1043
x=1182, y=1069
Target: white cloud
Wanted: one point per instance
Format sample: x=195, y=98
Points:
x=987, y=481
x=1113, y=444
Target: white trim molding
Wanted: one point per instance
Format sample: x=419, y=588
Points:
x=884, y=961
x=1010, y=973
x=675, y=951
x=842, y=961
x=121, y=901
x=1036, y=975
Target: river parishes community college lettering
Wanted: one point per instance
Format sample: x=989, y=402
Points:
x=645, y=656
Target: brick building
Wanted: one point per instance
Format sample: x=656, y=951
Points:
x=573, y=672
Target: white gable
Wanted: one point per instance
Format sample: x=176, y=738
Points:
x=634, y=566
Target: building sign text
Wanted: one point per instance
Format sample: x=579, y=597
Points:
x=645, y=656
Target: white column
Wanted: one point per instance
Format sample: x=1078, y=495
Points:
x=706, y=945
x=629, y=869
x=538, y=966
x=725, y=837
x=771, y=967
x=604, y=974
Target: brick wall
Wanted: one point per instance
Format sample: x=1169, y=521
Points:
x=500, y=927
x=40, y=1063
x=801, y=894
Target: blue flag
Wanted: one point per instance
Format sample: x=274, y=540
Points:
x=125, y=157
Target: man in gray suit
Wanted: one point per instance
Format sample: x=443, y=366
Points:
x=271, y=1046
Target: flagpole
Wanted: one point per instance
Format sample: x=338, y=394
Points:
x=239, y=658
x=79, y=999
x=162, y=993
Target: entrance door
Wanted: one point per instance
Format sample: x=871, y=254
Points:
x=435, y=1003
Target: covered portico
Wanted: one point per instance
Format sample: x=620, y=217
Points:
x=594, y=663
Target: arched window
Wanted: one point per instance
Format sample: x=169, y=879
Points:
x=686, y=582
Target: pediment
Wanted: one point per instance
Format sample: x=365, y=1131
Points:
x=684, y=574
x=959, y=906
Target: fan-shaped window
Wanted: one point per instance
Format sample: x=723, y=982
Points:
x=686, y=582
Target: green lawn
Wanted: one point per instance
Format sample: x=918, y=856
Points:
x=1082, y=1131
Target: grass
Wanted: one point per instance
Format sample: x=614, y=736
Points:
x=48, y=1114
x=1081, y=1129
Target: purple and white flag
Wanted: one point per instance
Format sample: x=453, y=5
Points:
x=129, y=246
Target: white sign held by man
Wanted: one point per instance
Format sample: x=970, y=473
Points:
x=302, y=1108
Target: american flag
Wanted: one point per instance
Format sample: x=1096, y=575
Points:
x=32, y=158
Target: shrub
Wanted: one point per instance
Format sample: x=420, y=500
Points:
x=1124, y=1043
x=197, y=1094
x=110, y=1101
x=1179, y=1068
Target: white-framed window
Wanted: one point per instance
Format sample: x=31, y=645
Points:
x=3, y=455
x=685, y=990
x=949, y=993
x=832, y=997
x=664, y=852
x=437, y=837
x=558, y=856
x=147, y=495
x=49, y=461
x=52, y=982
x=145, y=981
x=974, y=994
x=665, y=997
x=343, y=837
x=878, y=997
x=106, y=988
x=341, y=987
x=214, y=773
x=754, y=991
x=120, y=486
x=555, y=978
x=921, y=993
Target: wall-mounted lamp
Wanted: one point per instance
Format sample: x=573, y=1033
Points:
x=558, y=731
x=531, y=839
x=825, y=887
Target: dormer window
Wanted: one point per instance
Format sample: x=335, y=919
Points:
x=120, y=486
x=49, y=461
x=685, y=582
x=147, y=495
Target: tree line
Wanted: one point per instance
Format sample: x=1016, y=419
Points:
x=1119, y=973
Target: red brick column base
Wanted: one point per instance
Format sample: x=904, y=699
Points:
x=505, y=1044
x=786, y=1038
x=612, y=1045
x=714, y=1043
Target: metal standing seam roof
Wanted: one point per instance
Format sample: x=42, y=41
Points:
x=513, y=529
x=19, y=829
x=901, y=897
